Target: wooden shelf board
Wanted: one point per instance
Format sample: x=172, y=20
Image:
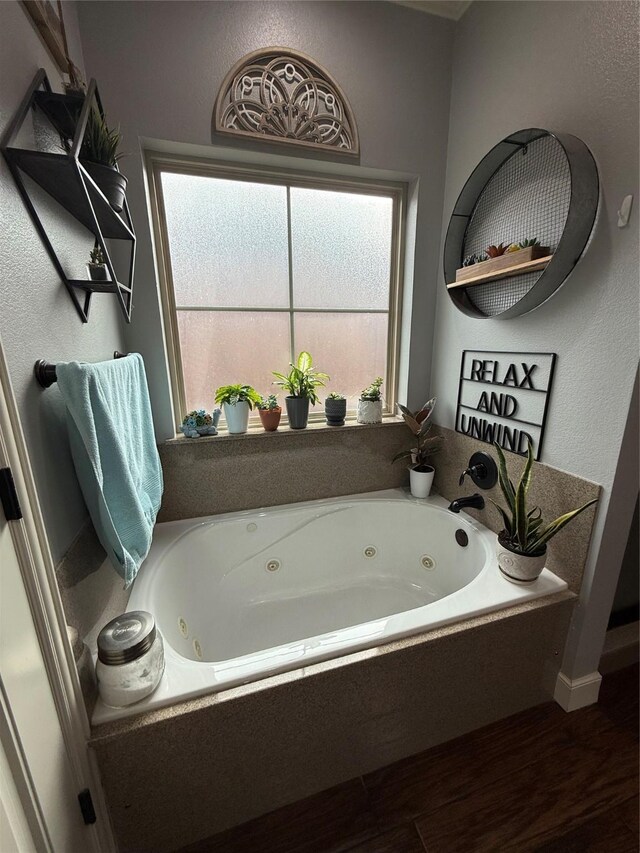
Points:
x=507, y=272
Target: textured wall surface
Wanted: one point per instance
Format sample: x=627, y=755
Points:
x=37, y=317
x=393, y=63
x=573, y=67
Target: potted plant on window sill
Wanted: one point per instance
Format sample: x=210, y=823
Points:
x=521, y=546
x=99, y=156
x=370, y=404
x=335, y=409
x=301, y=383
x=270, y=412
x=237, y=401
x=420, y=472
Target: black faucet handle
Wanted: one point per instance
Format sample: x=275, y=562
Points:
x=478, y=471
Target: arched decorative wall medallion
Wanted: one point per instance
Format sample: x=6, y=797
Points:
x=282, y=95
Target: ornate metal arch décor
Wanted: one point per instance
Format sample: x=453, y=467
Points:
x=285, y=96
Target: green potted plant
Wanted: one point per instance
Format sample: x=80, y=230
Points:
x=370, y=403
x=97, y=268
x=301, y=383
x=335, y=409
x=237, y=401
x=99, y=156
x=199, y=422
x=270, y=412
x=420, y=472
x=522, y=544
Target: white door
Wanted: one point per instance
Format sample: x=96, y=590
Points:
x=32, y=740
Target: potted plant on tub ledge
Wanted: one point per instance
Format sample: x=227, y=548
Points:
x=300, y=383
x=420, y=472
x=522, y=544
x=237, y=401
x=270, y=412
x=335, y=409
x=370, y=404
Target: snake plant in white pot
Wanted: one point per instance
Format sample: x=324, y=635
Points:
x=522, y=544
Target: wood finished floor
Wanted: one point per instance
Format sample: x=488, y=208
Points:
x=542, y=780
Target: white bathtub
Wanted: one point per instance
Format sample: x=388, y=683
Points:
x=242, y=596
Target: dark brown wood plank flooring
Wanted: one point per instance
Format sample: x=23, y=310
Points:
x=542, y=780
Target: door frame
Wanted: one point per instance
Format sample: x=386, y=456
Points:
x=38, y=574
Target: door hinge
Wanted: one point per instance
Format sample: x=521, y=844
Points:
x=86, y=806
x=9, y=496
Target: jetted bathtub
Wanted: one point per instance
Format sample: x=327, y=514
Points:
x=242, y=596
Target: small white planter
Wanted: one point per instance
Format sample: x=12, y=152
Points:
x=369, y=412
x=519, y=568
x=237, y=416
x=421, y=481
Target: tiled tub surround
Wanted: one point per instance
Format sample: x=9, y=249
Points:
x=182, y=773
x=242, y=596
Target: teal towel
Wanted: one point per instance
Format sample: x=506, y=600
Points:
x=115, y=455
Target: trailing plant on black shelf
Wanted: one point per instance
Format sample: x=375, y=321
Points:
x=303, y=379
x=420, y=425
x=100, y=143
x=96, y=256
x=525, y=531
x=233, y=394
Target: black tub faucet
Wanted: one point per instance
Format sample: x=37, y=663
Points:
x=474, y=501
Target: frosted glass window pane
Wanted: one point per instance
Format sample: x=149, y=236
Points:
x=228, y=242
x=351, y=348
x=341, y=249
x=225, y=347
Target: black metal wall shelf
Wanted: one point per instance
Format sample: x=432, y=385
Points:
x=64, y=178
x=535, y=183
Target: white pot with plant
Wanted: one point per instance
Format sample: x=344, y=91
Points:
x=421, y=473
x=300, y=384
x=237, y=401
x=522, y=545
x=370, y=404
x=97, y=267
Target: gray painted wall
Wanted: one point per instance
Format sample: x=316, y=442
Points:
x=37, y=318
x=393, y=63
x=569, y=66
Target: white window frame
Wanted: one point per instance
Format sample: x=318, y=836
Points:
x=157, y=163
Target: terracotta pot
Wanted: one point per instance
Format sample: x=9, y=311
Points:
x=270, y=418
x=519, y=568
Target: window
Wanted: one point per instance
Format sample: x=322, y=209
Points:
x=256, y=267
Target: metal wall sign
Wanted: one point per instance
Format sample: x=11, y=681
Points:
x=503, y=397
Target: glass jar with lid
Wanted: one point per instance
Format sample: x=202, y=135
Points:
x=130, y=659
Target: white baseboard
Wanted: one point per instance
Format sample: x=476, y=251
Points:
x=572, y=694
x=621, y=648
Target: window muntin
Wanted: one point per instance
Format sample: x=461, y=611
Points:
x=255, y=268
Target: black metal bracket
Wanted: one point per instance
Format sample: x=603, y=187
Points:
x=86, y=806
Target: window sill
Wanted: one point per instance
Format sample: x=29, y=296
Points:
x=257, y=431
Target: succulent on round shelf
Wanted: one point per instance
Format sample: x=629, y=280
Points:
x=370, y=403
x=521, y=547
x=529, y=243
x=473, y=259
x=270, y=412
x=496, y=251
x=199, y=422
